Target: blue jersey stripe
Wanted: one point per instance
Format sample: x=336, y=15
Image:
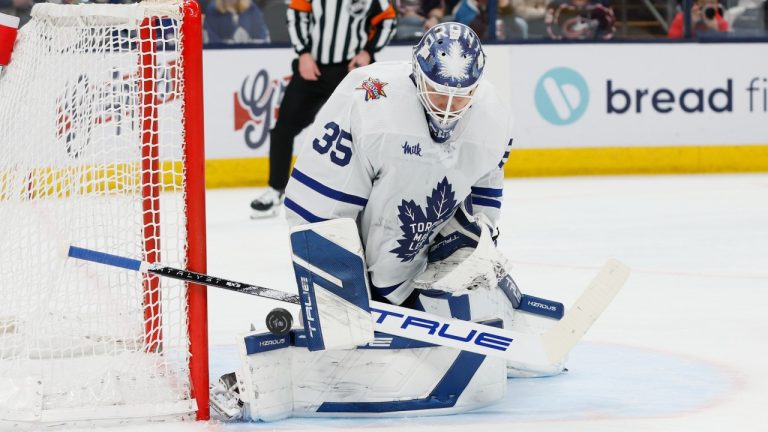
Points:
x=487, y=202
x=326, y=191
x=301, y=211
x=472, y=227
x=385, y=291
x=487, y=192
x=506, y=153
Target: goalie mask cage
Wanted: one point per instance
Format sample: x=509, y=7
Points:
x=101, y=146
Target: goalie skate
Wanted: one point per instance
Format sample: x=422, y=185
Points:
x=225, y=398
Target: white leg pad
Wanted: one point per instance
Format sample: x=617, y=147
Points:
x=265, y=381
x=364, y=382
x=391, y=382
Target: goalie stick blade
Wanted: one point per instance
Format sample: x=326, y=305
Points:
x=564, y=335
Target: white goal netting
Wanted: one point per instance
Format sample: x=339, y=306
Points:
x=91, y=154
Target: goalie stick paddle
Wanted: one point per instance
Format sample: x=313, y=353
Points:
x=549, y=348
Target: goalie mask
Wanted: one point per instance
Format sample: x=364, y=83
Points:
x=448, y=63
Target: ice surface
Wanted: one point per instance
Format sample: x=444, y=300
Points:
x=682, y=348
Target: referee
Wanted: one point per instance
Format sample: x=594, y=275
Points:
x=331, y=37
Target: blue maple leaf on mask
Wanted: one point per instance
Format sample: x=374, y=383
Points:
x=418, y=225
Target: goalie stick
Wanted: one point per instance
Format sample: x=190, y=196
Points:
x=179, y=274
x=548, y=348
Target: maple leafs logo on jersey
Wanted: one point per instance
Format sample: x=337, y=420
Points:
x=417, y=225
x=374, y=89
x=454, y=64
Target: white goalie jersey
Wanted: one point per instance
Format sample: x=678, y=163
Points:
x=369, y=156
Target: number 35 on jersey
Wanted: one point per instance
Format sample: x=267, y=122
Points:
x=337, y=138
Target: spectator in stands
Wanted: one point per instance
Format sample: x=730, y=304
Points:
x=19, y=8
x=532, y=11
x=474, y=13
x=748, y=17
x=274, y=12
x=234, y=21
x=580, y=19
x=706, y=18
x=417, y=16
x=433, y=12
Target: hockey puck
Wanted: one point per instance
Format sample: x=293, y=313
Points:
x=279, y=321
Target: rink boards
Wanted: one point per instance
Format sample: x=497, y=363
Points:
x=579, y=108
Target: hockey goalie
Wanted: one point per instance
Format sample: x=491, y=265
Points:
x=395, y=199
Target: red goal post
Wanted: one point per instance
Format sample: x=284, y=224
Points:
x=197, y=299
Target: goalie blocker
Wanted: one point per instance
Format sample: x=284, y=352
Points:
x=330, y=270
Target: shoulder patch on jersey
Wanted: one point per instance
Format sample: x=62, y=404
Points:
x=418, y=225
x=373, y=87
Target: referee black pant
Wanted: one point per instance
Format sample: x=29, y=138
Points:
x=301, y=102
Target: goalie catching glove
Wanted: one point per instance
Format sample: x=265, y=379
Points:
x=468, y=278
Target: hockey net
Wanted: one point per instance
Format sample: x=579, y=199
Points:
x=101, y=147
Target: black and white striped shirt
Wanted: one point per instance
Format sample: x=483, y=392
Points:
x=334, y=31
